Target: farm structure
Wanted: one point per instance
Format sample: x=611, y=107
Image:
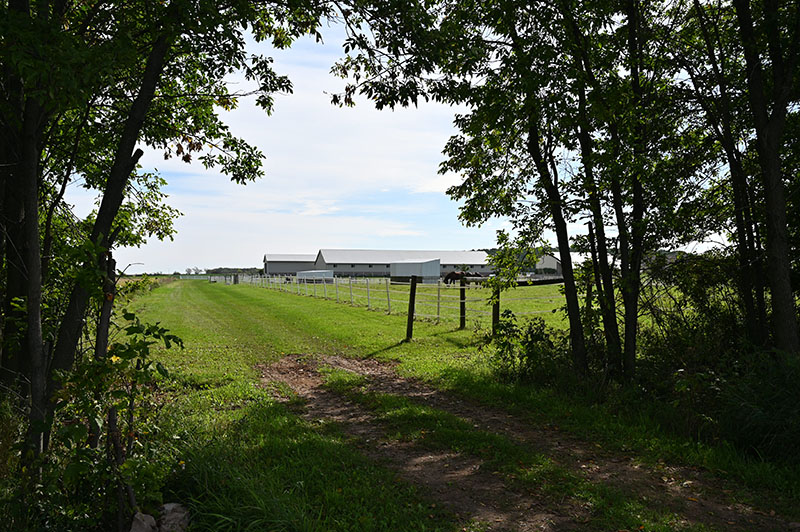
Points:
x=548, y=264
x=282, y=264
x=427, y=270
x=377, y=262
x=315, y=276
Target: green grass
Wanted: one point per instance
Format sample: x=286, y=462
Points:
x=228, y=329
x=433, y=302
x=244, y=462
x=263, y=468
x=609, y=508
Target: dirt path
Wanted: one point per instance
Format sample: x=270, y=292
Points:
x=459, y=483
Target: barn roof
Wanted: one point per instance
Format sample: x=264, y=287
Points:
x=276, y=257
x=387, y=256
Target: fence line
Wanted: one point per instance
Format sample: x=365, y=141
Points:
x=385, y=294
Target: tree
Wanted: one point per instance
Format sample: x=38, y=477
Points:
x=572, y=113
x=83, y=87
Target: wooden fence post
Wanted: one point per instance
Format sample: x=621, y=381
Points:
x=438, y=299
x=495, y=310
x=388, y=296
x=351, y=290
x=462, y=318
x=412, y=296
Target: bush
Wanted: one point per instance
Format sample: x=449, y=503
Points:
x=530, y=352
x=698, y=370
x=760, y=407
x=105, y=441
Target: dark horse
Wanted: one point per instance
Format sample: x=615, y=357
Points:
x=455, y=277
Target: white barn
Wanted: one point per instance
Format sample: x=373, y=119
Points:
x=548, y=264
x=275, y=264
x=428, y=271
x=376, y=262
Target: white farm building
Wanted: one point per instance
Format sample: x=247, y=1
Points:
x=275, y=264
x=377, y=262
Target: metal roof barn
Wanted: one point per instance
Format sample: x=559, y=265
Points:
x=315, y=274
x=287, y=264
x=380, y=256
x=376, y=262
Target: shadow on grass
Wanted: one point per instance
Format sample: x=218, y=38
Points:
x=611, y=507
x=270, y=470
x=461, y=342
x=386, y=349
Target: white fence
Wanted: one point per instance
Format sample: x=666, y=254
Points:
x=436, y=302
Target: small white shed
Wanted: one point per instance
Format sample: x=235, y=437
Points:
x=316, y=276
x=427, y=270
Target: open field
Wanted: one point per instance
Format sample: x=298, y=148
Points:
x=295, y=413
x=438, y=302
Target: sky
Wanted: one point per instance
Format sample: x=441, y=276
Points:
x=334, y=178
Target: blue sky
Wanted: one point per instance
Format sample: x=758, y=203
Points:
x=334, y=178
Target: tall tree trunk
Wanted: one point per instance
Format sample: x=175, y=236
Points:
x=555, y=204
x=125, y=160
x=719, y=114
x=605, y=290
x=37, y=365
x=769, y=116
x=631, y=282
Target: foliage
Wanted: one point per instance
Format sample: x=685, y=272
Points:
x=107, y=438
x=698, y=364
x=528, y=352
x=86, y=86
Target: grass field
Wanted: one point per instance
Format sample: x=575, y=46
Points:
x=248, y=463
x=433, y=302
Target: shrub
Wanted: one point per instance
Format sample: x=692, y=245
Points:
x=529, y=352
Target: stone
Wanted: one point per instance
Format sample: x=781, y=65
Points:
x=174, y=518
x=143, y=523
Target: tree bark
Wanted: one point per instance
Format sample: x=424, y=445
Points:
x=29, y=174
x=631, y=280
x=125, y=161
x=769, y=126
x=720, y=116
x=555, y=204
x=605, y=288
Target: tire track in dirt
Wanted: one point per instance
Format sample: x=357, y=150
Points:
x=455, y=481
x=690, y=493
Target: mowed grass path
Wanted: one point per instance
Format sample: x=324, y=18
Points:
x=244, y=462
x=248, y=460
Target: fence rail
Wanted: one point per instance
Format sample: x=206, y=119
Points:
x=435, y=302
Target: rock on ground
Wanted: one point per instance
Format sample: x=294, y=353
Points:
x=143, y=523
x=174, y=518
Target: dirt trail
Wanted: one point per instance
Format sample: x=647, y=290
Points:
x=459, y=483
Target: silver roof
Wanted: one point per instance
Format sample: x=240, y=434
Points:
x=386, y=256
x=276, y=257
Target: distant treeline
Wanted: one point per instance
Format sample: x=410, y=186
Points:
x=231, y=271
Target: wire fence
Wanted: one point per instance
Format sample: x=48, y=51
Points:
x=470, y=304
